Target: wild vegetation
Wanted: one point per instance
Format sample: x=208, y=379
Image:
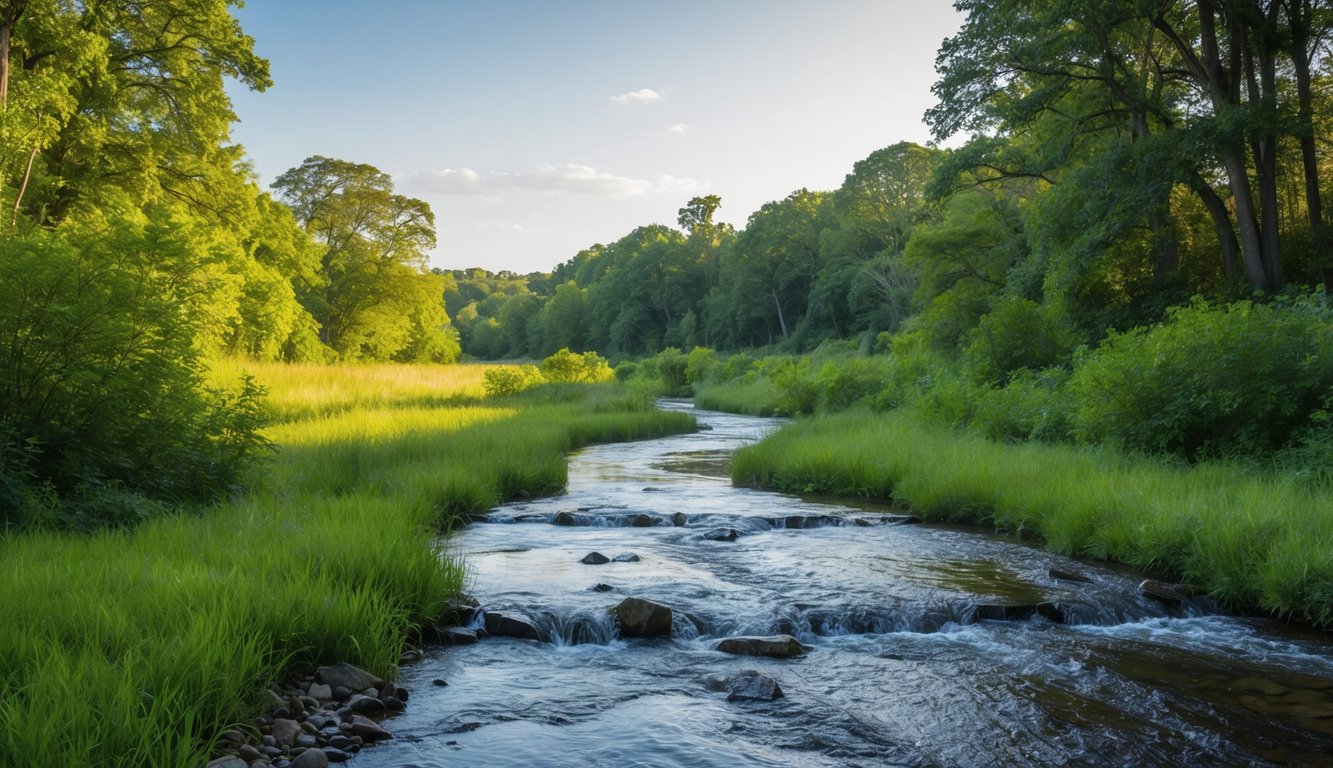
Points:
x=137, y=647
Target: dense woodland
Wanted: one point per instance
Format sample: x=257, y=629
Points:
x=1136, y=194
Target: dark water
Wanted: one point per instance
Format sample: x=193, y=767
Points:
x=926, y=646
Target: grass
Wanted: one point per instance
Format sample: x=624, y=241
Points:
x=755, y=397
x=1252, y=539
x=132, y=648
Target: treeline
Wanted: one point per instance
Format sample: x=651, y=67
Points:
x=135, y=244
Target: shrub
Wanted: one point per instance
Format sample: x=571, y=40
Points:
x=103, y=387
x=1241, y=379
x=1018, y=334
x=572, y=368
x=702, y=366
x=510, y=380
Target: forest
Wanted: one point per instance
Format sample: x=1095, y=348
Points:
x=1114, y=249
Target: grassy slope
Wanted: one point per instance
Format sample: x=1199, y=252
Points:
x=135, y=648
x=1254, y=541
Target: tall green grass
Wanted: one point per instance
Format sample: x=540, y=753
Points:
x=1252, y=539
x=132, y=648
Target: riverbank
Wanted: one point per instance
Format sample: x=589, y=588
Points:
x=1251, y=539
x=140, y=647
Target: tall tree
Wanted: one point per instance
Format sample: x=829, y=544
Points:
x=377, y=300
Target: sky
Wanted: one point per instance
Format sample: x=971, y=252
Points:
x=536, y=128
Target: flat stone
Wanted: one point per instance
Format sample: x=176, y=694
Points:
x=347, y=676
x=1171, y=594
x=773, y=646
x=643, y=618
x=1064, y=575
x=595, y=558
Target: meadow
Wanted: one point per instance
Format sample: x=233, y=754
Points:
x=138, y=646
x=1253, y=539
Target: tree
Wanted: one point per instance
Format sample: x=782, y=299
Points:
x=376, y=300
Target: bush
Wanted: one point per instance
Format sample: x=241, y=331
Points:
x=103, y=388
x=1242, y=379
x=702, y=367
x=510, y=380
x=572, y=368
x=1018, y=334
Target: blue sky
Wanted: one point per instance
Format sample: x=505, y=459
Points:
x=535, y=129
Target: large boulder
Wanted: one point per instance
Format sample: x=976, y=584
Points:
x=643, y=618
x=350, y=677
x=773, y=646
x=501, y=623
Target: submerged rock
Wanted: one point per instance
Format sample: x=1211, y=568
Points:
x=679, y=519
x=1064, y=575
x=1048, y=611
x=721, y=534
x=595, y=558
x=1171, y=594
x=564, y=518
x=601, y=588
x=773, y=646
x=511, y=624
x=627, y=557
x=642, y=521
x=748, y=684
x=643, y=618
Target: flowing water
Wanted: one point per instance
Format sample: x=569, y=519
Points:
x=928, y=646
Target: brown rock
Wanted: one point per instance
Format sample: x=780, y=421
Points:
x=366, y=728
x=773, y=646
x=643, y=618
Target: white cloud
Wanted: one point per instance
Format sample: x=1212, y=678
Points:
x=641, y=96
x=679, y=128
x=565, y=178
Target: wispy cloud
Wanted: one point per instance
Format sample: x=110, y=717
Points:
x=565, y=178
x=641, y=96
x=679, y=128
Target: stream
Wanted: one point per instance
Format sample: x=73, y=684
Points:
x=928, y=645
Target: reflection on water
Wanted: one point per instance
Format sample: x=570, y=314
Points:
x=929, y=646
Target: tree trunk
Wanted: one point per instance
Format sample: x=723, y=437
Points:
x=1217, y=209
x=1299, y=14
x=782, y=323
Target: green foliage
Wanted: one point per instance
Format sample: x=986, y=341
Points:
x=104, y=394
x=1018, y=334
x=1252, y=540
x=503, y=381
x=374, y=299
x=570, y=367
x=1210, y=381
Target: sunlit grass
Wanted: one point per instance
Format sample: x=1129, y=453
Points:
x=1251, y=539
x=132, y=648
